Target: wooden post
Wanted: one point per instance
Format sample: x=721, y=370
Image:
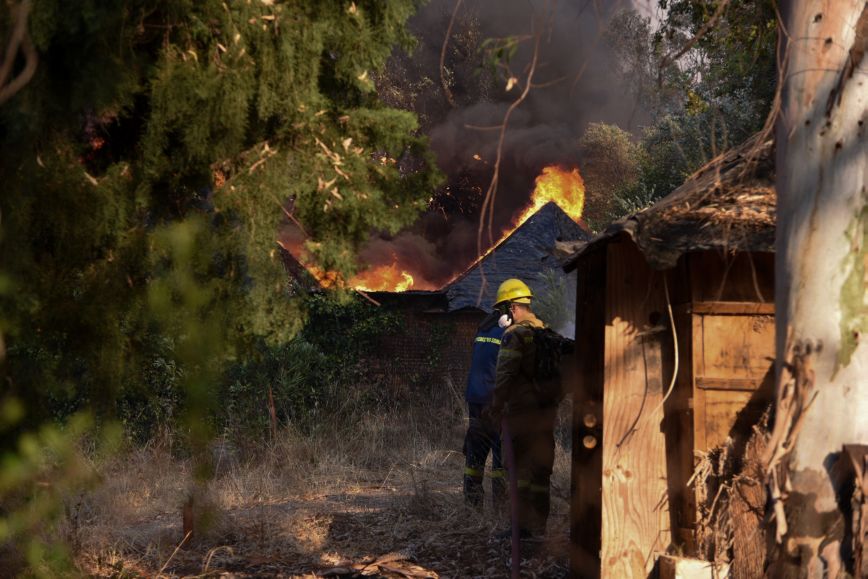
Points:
x=635, y=512
x=188, y=518
x=272, y=413
x=587, y=388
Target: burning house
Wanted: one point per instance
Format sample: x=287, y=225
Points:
x=675, y=347
x=439, y=324
x=528, y=254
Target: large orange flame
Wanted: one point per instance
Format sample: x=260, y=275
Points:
x=389, y=277
x=563, y=186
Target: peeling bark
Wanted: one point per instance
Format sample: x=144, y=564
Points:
x=821, y=274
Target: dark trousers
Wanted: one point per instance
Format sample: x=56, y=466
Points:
x=533, y=443
x=482, y=438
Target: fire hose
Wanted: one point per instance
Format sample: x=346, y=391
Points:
x=506, y=439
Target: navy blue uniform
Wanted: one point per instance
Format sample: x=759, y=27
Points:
x=482, y=437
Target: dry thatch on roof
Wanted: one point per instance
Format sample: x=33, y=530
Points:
x=728, y=205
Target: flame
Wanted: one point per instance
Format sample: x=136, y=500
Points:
x=326, y=278
x=383, y=278
x=388, y=277
x=563, y=186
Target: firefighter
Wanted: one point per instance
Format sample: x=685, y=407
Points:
x=530, y=420
x=483, y=436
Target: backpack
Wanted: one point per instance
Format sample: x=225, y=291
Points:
x=550, y=346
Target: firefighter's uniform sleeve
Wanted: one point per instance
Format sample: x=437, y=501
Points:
x=508, y=367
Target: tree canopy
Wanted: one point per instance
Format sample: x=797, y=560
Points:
x=229, y=116
x=705, y=79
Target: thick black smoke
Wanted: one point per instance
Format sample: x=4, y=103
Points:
x=578, y=84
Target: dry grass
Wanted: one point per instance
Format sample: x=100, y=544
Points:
x=391, y=483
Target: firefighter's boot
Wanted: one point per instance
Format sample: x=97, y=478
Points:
x=499, y=489
x=540, y=499
x=473, y=491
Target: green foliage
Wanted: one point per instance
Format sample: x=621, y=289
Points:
x=713, y=97
x=498, y=52
x=146, y=170
x=314, y=375
x=550, y=304
x=610, y=162
x=631, y=200
x=736, y=55
x=37, y=480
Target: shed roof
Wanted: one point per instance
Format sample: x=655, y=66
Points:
x=729, y=204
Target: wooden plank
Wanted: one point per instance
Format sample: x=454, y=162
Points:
x=698, y=394
x=679, y=435
x=740, y=347
x=746, y=384
x=730, y=308
x=721, y=410
x=671, y=567
x=587, y=460
x=739, y=277
x=634, y=508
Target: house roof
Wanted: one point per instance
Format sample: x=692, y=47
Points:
x=525, y=254
x=417, y=300
x=729, y=205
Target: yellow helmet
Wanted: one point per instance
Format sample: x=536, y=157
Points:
x=513, y=290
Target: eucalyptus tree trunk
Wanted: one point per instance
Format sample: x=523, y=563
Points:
x=821, y=298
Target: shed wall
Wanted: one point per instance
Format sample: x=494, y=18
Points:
x=631, y=487
x=634, y=507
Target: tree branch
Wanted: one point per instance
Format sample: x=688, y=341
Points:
x=712, y=22
x=19, y=40
x=448, y=93
x=491, y=193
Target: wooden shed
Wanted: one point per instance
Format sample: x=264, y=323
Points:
x=652, y=391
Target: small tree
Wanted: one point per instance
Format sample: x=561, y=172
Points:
x=610, y=163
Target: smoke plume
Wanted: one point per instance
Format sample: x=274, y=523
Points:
x=575, y=83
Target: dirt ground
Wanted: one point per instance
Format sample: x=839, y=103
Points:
x=297, y=517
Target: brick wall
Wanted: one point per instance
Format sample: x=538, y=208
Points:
x=428, y=348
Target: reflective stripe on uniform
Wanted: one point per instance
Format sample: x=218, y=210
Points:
x=498, y=473
x=523, y=484
x=487, y=340
x=540, y=489
x=474, y=472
